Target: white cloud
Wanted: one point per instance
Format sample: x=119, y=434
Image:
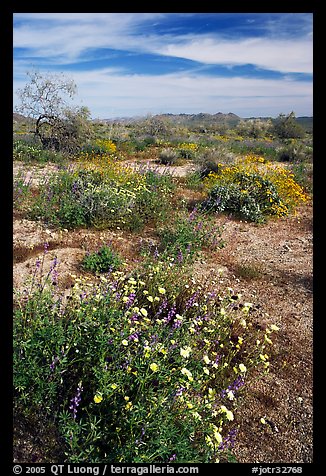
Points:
x=68, y=35
x=280, y=55
x=62, y=38
x=175, y=93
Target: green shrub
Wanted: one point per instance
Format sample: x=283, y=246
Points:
x=93, y=199
x=101, y=261
x=184, y=238
x=27, y=152
x=168, y=156
x=249, y=196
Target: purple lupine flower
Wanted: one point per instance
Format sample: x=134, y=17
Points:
x=162, y=307
x=54, y=271
x=53, y=364
x=229, y=440
x=134, y=336
x=238, y=383
x=38, y=264
x=234, y=386
x=191, y=300
x=137, y=442
x=192, y=214
x=156, y=253
x=131, y=298
x=117, y=296
x=134, y=317
x=180, y=256
x=46, y=247
x=74, y=187
x=75, y=401
x=83, y=295
x=179, y=392
x=171, y=314
x=173, y=457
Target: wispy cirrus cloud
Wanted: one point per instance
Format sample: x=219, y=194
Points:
x=161, y=62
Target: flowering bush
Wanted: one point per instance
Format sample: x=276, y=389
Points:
x=187, y=150
x=101, y=194
x=99, y=147
x=253, y=188
x=136, y=368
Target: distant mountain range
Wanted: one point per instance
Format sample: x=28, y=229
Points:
x=230, y=119
x=201, y=119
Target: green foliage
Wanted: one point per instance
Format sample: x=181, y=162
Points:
x=26, y=152
x=184, y=237
x=168, y=156
x=101, y=261
x=93, y=199
x=249, y=196
x=134, y=368
x=286, y=127
x=295, y=151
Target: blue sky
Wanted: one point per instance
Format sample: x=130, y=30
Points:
x=131, y=64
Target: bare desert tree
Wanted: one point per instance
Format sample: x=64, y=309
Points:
x=47, y=98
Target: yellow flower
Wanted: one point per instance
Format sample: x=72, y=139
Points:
x=150, y=298
x=218, y=437
x=186, y=372
x=143, y=311
x=228, y=413
x=185, y=352
x=206, y=359
x=242, y=368
x=98, y=398
x=161, y=290
x=154, y=367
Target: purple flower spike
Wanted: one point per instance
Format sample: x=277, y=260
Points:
x=75, y=401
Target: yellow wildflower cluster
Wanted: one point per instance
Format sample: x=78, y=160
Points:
x=289, y=191
x=106, y=145
x=111, y=171
x=188, y=146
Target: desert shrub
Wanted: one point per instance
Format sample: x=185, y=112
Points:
x=295, y=151
x=145, y=368
x=184, y=237
x=168, y=156
x=253, y=189
x=101, y=261
x=287, y=127
x=187, y=150
x=209, y=159
x=264, y=148
x=303, y=175
x=101, y=196
x=99, y=146
x=207, y=167
x=34, y=152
